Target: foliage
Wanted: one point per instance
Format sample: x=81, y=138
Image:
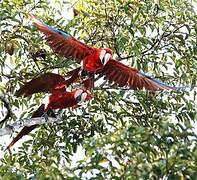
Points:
x=125, y=134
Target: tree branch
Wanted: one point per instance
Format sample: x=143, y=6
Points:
x=9, y=129
x=156, y=42
x=7, y=106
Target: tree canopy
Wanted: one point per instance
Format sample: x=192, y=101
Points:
x=121, y=133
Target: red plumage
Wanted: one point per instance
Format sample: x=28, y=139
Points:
x=65, y=100
x=123, y=75
x=97, y=60
x=63, y=43
x=27, y=129
x=47, y=83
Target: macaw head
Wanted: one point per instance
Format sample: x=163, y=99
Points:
x=105, y=55
x=82, y=95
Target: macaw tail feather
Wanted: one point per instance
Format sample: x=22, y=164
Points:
x=27, y=129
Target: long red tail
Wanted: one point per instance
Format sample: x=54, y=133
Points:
x=27, y=129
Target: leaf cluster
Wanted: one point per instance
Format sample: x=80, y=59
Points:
x=123, y=134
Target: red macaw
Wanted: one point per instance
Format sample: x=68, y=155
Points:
x=59, y=99
x=56, y=85
x=56, y=101
x=49, y=83
x=97, y=60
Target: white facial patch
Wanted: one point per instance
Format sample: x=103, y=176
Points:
x=102, y=54
x=78, y=93
x=106, y=58
x=83, y=97
x=46, y=101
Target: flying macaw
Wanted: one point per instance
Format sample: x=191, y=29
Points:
x=97, y=60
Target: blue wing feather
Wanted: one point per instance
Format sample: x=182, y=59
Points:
x=158, y=82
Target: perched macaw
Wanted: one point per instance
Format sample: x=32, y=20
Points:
x=97, y=60
x=56, y=85
x=57, y=100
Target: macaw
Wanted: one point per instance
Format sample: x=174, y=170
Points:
x=49, y=83
x=57, y=100
x=97, y=60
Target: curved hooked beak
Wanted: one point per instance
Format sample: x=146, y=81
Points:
x=106, y=58
x=102, y=54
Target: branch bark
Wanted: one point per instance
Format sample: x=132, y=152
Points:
x=9, y=129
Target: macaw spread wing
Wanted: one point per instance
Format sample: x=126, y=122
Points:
x=123, y=75
x=48, y=82
x=63, y=43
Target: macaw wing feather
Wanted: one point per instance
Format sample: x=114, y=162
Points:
x=63, y=43
x=73, y=76
x=48, y=83
x=122, y=75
